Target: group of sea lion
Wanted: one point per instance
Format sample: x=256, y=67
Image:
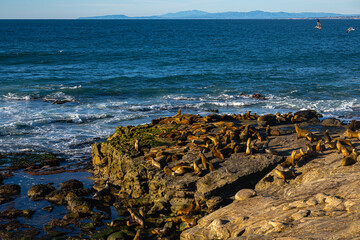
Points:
x=212, y=136
x=218, y=136
x=323, y=142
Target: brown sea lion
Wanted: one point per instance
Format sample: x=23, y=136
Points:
x=319, y=146
x=285, y=175
x=350, y=159
x=136, y=218
x=197, y=169
x=351, y=134
x=301, y=133
x=248, y=147
x=216, y=153
x=327, y=137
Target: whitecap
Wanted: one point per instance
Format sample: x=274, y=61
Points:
x=74, y=87
x=76, y=118
x=13, y=96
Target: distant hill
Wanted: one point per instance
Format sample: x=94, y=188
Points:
x=196, y=14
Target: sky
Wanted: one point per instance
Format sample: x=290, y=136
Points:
x=70, y=9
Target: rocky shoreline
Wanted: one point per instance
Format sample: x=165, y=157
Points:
x=214, y=177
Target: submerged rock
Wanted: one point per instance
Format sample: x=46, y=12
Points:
x=9, y=189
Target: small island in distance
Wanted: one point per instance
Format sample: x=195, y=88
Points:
x=196, y=14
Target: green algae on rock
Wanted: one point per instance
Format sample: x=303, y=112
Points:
x=20, y=160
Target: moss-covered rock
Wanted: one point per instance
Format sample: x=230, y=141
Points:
x=39, y=191
x=29, y=159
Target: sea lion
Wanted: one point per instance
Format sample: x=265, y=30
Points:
x=301, y=133
x=260, y=136
x=178, y=114
x=215, y=140
x=155, y=163
x=345, y=152
x=331, y=145
x=344, y=141
x=182, y=170
x=272, y=132
x=161, y=231
x=289, y=161
x=279, y=118
x=197, y=169
x=350, y=159
x=211, y=166
x=137, y=235
x=311, y=137
x=248, y=147
x=136, y=145
x=285, y=175
x=216, y=153
x=298, y=156
x=309, y=153
x=327, y=137
x=310, y=147
x=116, y=222
x=244, y=135
x=204, y=161
x=136, y=218
x=319, y=146
x=339, y=146
x=351, y=134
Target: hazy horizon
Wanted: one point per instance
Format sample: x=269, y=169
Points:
x=69, y=9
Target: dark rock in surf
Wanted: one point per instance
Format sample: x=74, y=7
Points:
x=39, y=191
x=9, y=189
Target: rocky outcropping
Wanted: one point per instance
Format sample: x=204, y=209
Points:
x=187, y=166
x=185, y=157
x=319, y=201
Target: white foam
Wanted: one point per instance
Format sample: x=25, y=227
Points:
x=76, y=118
x=74, y=87
x=13, y=96
x=232, y=103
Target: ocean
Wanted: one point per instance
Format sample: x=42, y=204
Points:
x=127, y=72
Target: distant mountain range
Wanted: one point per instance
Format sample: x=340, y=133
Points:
x=196, y=14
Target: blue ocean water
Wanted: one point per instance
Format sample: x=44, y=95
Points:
x=130, y=71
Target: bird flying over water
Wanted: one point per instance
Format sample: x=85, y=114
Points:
x=350, y=29
x=318, y=26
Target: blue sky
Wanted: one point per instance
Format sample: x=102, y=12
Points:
x=40, y=9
